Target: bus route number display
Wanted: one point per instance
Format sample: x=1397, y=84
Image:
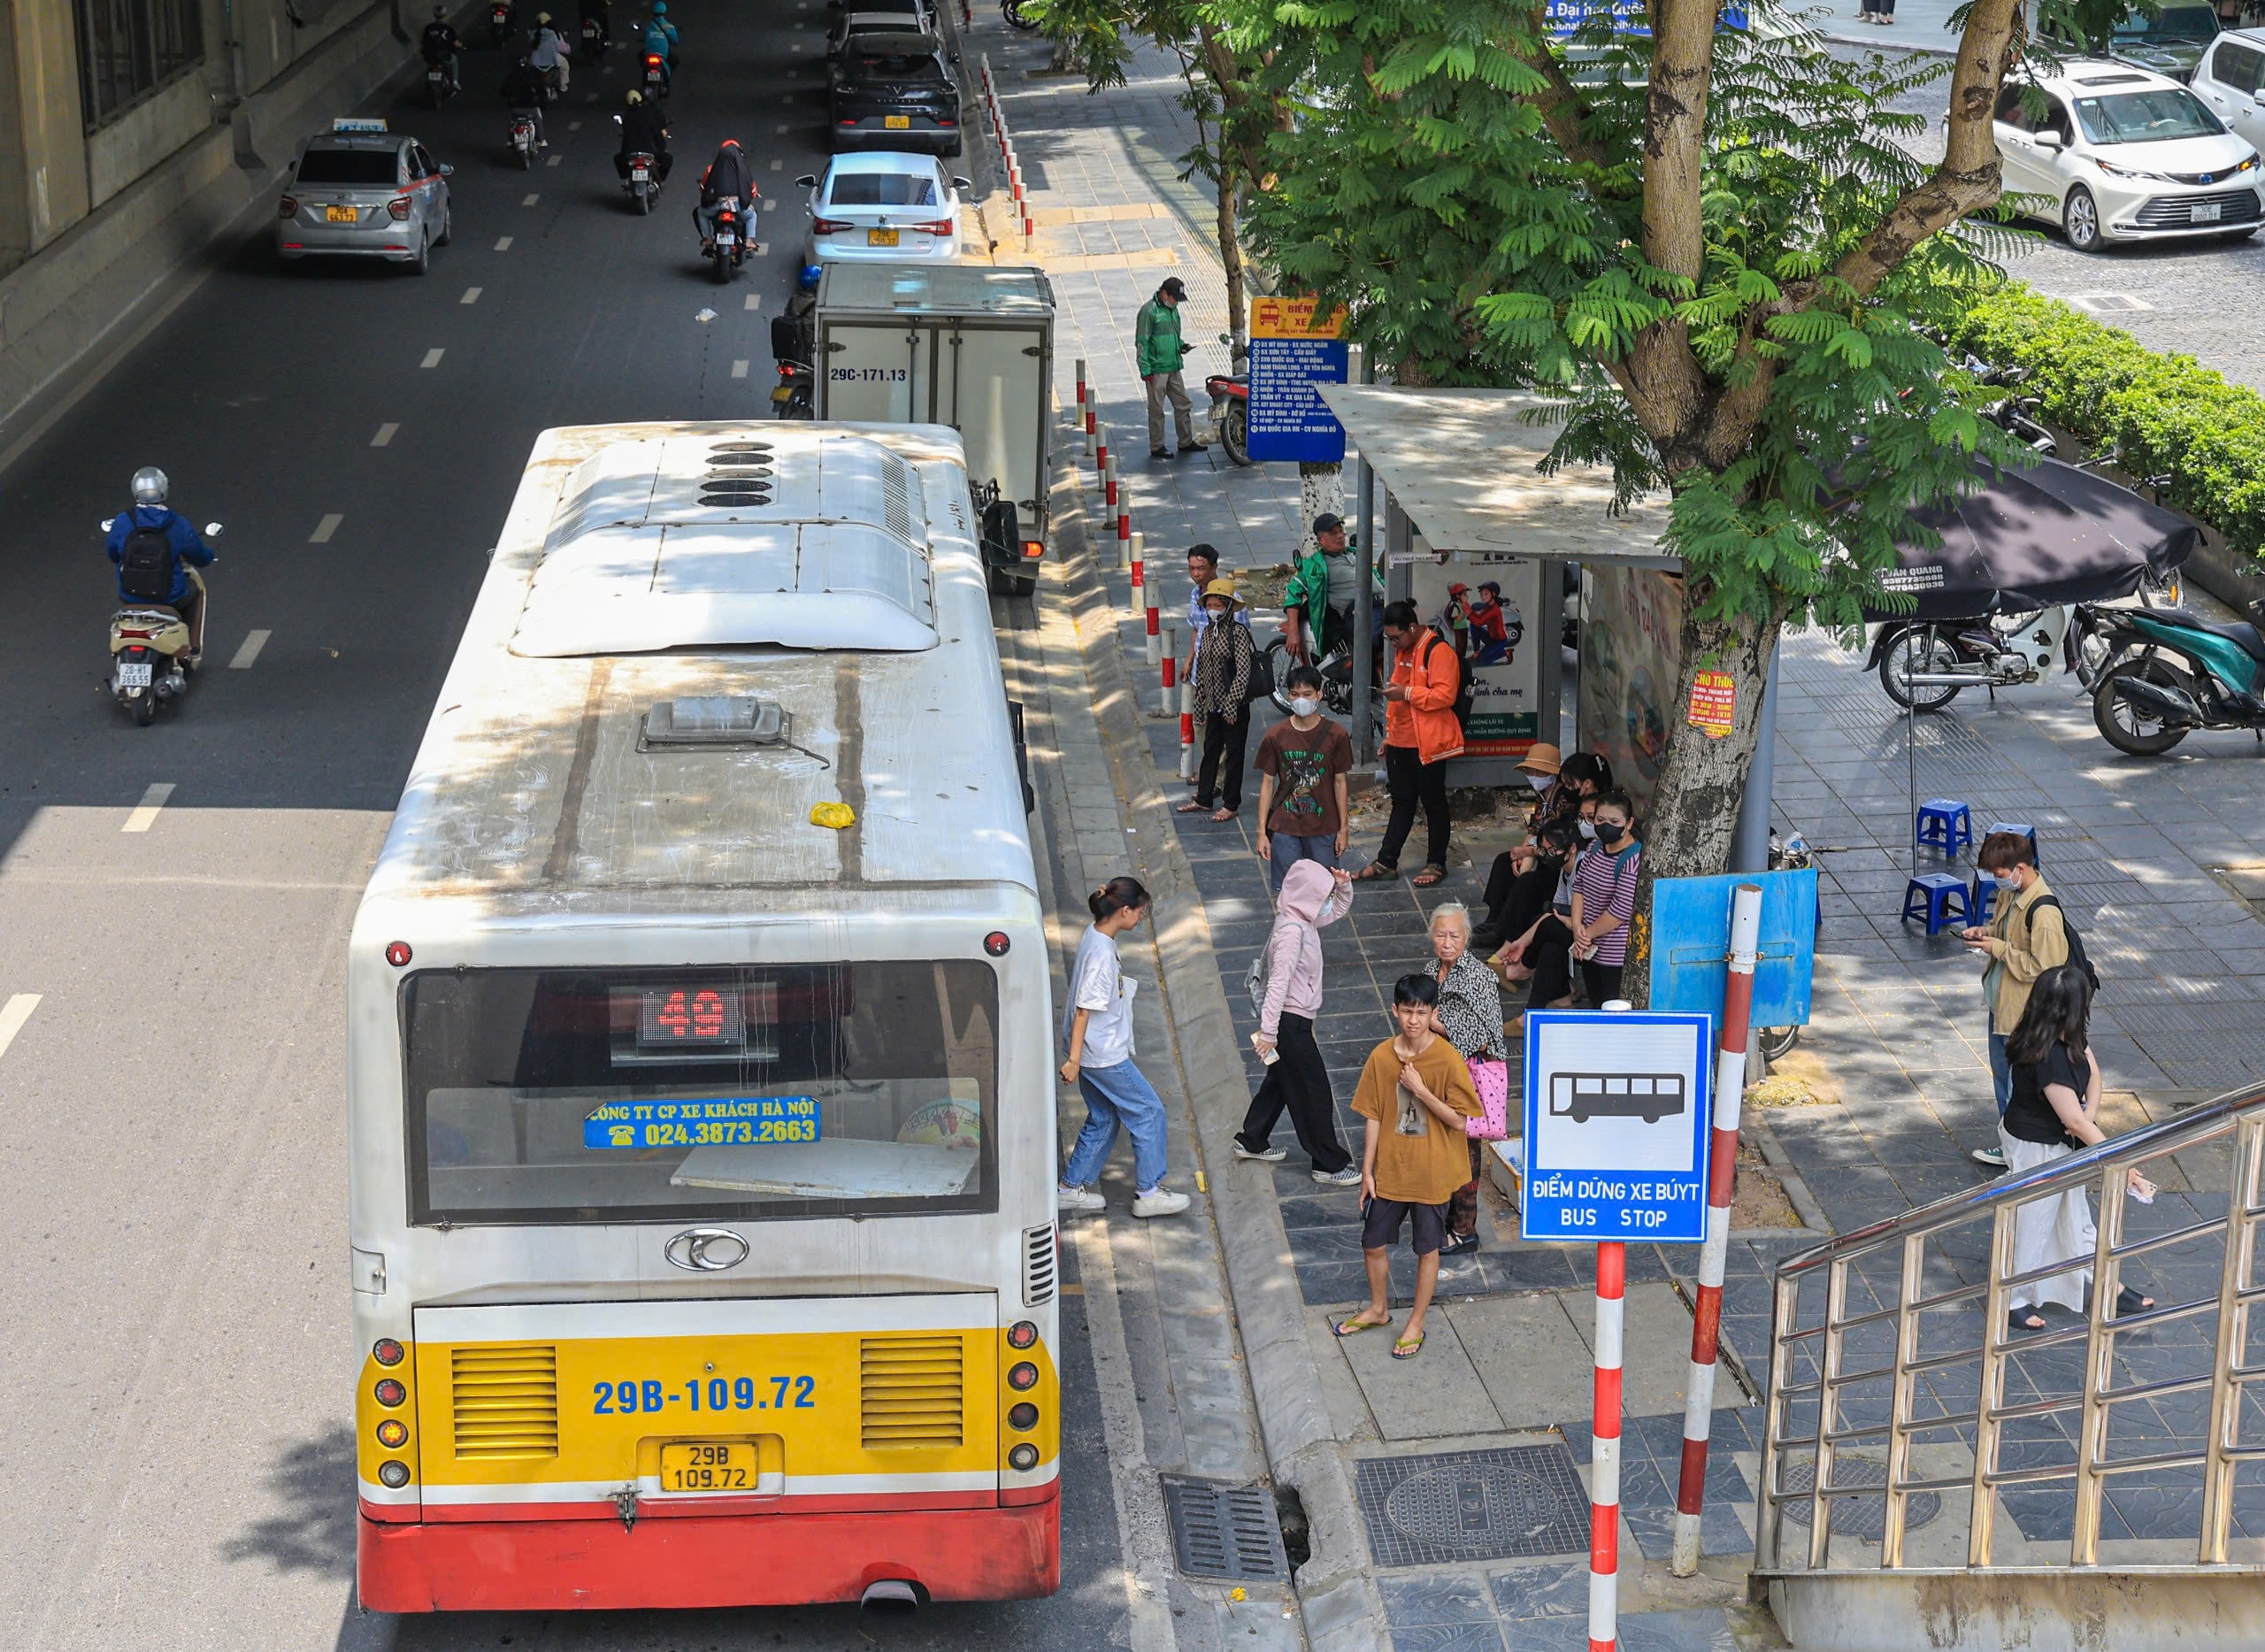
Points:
x=727, y=1121
x=680, y=1018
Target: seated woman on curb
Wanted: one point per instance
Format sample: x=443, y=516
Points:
x=1541, y=954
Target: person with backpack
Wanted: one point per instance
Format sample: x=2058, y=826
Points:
x=2027, y=934
x=1425, y=701
x=154, y=549
x=1285, y=984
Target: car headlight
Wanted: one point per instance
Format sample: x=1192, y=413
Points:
x=2129, y=171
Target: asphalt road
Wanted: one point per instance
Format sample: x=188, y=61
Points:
x=174, y=1335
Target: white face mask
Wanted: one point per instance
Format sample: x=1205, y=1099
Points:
x=1539, y=782
x=1588, y=829
x=1304, y=705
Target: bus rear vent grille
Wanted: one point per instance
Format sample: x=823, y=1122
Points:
x=908, y=1391
x=504, y=1398
x=1038, y=1265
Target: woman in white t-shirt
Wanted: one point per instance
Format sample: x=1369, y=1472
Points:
x=1097, y=1030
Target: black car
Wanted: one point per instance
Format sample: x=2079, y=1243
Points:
x=2170, y=43
x=895, y=91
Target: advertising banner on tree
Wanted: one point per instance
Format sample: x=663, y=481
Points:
x=1501, y=650
x=1292, y=351
x=1631, y=619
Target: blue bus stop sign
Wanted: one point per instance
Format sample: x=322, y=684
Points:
x=1691, y=934
x=1619, y=1117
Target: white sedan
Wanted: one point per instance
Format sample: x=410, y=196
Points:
x=883, y=204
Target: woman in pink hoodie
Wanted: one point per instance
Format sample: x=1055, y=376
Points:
x=1312, y=895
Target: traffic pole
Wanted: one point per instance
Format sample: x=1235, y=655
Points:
x=1100, y=454
x=1604, y=1453
x=1128, y=549
x=1156, y=635
x=1133, y=555
x=1722, y=1181
x=1188, y=726
x=1109, y=495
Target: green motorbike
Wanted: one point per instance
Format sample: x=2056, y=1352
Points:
x=2156, y=674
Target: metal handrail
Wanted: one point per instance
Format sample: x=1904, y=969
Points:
x=2101, y=1170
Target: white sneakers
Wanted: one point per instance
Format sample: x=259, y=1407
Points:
x=1261, y=1156
x=1079, y=1199
x=1160, y=1201
x=1349, y=1177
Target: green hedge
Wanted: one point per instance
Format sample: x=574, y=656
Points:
x=2167, y=414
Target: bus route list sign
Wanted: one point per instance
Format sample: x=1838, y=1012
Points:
x=1617, y=1124
x=1293, y=352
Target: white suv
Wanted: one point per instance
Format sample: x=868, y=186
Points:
x=2229, y=78
x=2119, y=153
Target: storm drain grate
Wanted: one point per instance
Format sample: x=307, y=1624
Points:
x=1509, y=1502
x=1856, y=1517
x=1225, y=1531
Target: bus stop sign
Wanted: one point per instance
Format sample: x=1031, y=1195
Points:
x=1618, y=1119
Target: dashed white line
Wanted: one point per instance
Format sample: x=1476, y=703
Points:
x=254, y=641
x=145, y=812
x=782, y=126
x=573, y=125
x=753, y=303
x=553, y=160
x=325, y=528
x=778, y=166
x=471, y=296
x=502, y=243
x=384, y=438
x=433, y=357
x=739, y=370
x=530, y=200
x=13, y=1014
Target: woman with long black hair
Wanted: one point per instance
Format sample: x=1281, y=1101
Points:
x=1097, y=1038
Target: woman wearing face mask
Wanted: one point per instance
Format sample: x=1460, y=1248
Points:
x=1302, y=763
x=1541, y=954
x=1584, y=774
x=1604, y=899
x=1219, y=681
x=1468, y=1015
x=1521, y=885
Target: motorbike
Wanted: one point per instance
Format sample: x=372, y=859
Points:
x=1016, y=15
x=149, y=650
x=657, y=76
x=1230, y=394
x=523, y=139
x=2157, y=674
x=644, y=183
x=1992, y=651
x=441, y=81
x=592, y=51
x=728, y=250
x=499, y=23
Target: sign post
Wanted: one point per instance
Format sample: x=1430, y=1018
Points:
x=1293, y=349
x=1617, y=1136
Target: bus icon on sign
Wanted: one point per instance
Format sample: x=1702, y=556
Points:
x=1581, y=1096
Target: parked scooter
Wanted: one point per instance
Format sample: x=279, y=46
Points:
x=728, y=250
x=2156, y=674
x=1230, y=394
x=1997, y=651
x=1017, y=16
x=148, y=650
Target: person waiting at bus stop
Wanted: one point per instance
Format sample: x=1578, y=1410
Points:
x=1097, y=1030
x=1219, y=691
x=2024, y=937
x=1306, y=622
x=1420, y=736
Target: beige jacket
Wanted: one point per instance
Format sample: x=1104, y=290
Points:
x=2032, y=947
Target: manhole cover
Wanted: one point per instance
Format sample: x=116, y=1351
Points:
x=1225, y=1531
x=1856, y=1517
x=1509, y=1503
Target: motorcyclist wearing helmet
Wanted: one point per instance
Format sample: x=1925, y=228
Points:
x=185, y=550
x=660, y=33
x=601, y=12
x=522, y=94
x=644, y=131
x=729, y=174
x=549, y=52
x=653, y=42
x=440, y=44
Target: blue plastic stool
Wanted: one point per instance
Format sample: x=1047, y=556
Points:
x=1931, y=894
x=2025, y=830
x=1981, y=895
x=1945, y=823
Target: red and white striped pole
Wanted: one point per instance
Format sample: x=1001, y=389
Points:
x=1100, y=454
x=1604, y=1452
x=1722, y=1180
x=1188, y=725
x=1084, y=407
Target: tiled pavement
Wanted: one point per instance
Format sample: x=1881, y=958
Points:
x=2136, y=848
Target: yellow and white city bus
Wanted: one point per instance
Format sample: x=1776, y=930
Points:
x=699, y=1071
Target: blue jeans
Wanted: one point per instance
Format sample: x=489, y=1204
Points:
x=1118, y=1096
x=1288, y=851
x=2001, y=1073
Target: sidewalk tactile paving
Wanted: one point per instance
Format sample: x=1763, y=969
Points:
x=1500, y=1503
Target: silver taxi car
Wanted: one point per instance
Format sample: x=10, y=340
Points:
x=360, y=191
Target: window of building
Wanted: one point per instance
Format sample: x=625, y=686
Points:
x=127, y=48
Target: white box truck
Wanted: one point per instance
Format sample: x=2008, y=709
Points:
x=967, y=345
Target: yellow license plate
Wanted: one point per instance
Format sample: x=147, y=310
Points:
x=897, y=123
x=880, y=238
x=338, y=214
x=782, y=395
x=709, y=1466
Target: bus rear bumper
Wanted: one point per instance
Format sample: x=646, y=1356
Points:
x=1000, y=1554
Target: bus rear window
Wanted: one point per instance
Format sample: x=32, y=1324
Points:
x=746, y=1094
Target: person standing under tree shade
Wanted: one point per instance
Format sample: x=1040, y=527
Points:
x=1307, y=614
x=1297, y=1079
x=1604, y=899
x=1158, y=348
x=1097, y=1035
x=1420, y=736
x=1219, y=691
x=1304, y=764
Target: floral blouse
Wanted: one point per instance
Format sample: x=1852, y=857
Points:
x=1470, y=1009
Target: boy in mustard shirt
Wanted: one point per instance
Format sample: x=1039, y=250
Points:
x=1415, y=1092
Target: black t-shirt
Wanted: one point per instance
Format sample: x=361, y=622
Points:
x=2029, y=1116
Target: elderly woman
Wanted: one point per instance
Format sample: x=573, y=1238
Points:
x=1219, y=678
x=1469, y=1017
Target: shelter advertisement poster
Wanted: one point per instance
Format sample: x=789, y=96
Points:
x=1632, y=621
x=1292, y=351
x=1506, y=680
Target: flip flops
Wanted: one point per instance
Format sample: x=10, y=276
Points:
x=1354, y=1327
x=1406, y=1349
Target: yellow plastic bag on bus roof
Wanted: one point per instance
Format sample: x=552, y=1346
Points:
x=834, y=815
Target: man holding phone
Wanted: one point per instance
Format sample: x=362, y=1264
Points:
x=2022, y=940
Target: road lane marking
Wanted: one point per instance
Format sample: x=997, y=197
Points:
x=471, y=296
x=384, y=438
x=325, y=528
x=739, y=370
x=13, y=1014
x=553, y=160
x=433, y=357
x=530, y=200
x=782, y=126
x=254, y=641
x=778, y=166
x=754, y=301
x=145, y=812
x=573, y=125
x=502, y=243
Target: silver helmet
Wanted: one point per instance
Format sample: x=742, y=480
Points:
x=151, y=486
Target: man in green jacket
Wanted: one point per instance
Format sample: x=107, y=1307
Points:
x=1156, y=340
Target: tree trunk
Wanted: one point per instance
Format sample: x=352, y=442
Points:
x=1320, y=488
x=1066, y=56
x=1694, y=811
x=1231, y=248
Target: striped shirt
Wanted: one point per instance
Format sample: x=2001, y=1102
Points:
x=1606, y=882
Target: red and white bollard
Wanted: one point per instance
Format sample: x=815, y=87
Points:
x=1109, y=490
x=1100, y=450
x=1188, y=725
x=1722, y=1180
x=1155, y=636
x=1128, y=548
x=1604, y=1453
x=1084, y=408
x=1132, y=555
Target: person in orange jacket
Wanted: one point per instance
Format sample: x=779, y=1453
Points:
x=1420, y=736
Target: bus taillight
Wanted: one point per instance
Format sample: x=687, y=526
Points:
x=392, y=1434
x=1023, y=1417
x=1022, y=1333
x=389, y=1393
x=1023, y=1377
x=385, y=1351
x=1022, y=1458
x=397, y=954
x=396, y=1475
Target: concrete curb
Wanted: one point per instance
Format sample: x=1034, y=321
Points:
x=1342, y=1609
x=1873, y=42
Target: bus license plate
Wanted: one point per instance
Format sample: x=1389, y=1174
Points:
x=880, y=238
x=134, y=676
x=897, y=123
x=709, y=1466
x=338, y=214
x=2207, y=212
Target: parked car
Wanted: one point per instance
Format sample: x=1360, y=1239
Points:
x=359, y=191
x=2111, y=153
x=883, y=204
x=895, y=91
x=2170, y=43
x=2229, y=80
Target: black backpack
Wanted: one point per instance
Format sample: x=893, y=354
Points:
x=2078, y=958
x=1462, y=677
x=145, y=565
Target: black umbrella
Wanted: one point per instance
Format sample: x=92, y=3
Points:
x=2033, y=538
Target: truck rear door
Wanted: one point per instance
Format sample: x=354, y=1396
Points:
x=883, y=372
x=998, y=406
